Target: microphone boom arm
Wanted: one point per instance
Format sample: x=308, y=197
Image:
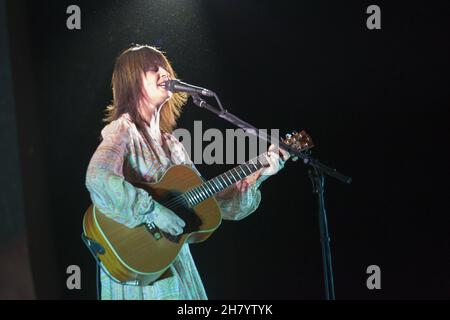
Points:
x=307, y=159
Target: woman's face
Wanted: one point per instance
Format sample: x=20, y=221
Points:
x=154, y=85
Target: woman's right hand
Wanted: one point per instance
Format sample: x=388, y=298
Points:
x=167, y=221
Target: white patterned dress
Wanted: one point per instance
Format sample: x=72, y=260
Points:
x=123, y=156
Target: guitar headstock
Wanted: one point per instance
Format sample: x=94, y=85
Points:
x=300, y=141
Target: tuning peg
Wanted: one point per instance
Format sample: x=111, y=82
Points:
x=288, y=136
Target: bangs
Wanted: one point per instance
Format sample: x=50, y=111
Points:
x=149, y=58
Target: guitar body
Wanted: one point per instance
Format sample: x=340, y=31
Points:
x=138, y=255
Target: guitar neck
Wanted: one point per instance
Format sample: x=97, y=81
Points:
x=298, y=141
x=225, y=180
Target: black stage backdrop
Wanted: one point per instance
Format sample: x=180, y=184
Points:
x=374, y=101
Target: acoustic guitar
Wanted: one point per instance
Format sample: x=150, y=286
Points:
x=143, y=254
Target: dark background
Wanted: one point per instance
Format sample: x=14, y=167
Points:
x=374, y=101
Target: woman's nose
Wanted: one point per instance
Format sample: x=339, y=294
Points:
x=163, y=73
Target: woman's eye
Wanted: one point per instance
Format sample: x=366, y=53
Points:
x=153, y=68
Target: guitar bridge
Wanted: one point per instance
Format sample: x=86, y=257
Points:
x=172, y=238
x=153, y=229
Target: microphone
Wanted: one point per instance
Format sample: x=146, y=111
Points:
x=178, y=86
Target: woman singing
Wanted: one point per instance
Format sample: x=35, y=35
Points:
x=137, y=145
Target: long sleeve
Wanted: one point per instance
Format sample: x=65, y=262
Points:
x=109, y=191
x=236, y=205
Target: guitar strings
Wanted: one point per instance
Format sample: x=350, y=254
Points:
x=179, y=201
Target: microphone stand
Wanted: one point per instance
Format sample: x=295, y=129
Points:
x=316, y=173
